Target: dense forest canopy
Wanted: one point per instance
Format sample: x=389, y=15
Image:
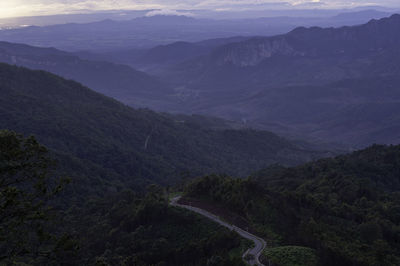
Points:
x=123, y=228
x=27, y=187
x=346, y=208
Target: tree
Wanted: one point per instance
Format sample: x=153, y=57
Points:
x=26, y=188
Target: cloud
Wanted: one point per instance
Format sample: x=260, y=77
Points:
x=169, y=12
x=310, y=4
x=11, y=8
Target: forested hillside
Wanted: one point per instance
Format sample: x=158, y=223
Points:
x=106, y=142
x=345, y=208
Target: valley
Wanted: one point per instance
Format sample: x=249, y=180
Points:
x=288, y=84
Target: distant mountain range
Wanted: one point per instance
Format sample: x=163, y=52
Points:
x=329, y=54
x=147, y=32
x=335, y=85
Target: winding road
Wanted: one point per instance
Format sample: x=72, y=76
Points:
x=259, y=243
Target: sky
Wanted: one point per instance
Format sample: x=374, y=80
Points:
x=16, y=8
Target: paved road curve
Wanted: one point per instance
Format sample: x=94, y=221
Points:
x=259, y=243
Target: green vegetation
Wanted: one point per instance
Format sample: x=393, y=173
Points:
x=26, y=190
x=291, y=256
x=123, y=228
x=346, y=208
x=129, y=229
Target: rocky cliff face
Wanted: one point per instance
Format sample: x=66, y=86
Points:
x=254, y=51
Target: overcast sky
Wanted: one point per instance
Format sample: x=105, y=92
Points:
x=12, y=8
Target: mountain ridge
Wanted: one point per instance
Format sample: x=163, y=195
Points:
x=264, y=47
x=146, y=32
x=238, y=81
x=118, y=81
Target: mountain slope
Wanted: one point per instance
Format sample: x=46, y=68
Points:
x=356, y=111
x=118, y=81
x=131, y=144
